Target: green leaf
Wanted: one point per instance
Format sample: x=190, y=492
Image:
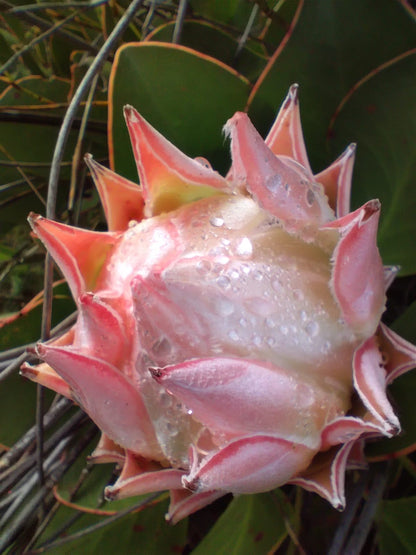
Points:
x=216, y=43
x=250, y=524
x=406, y=324
x=17, y=408
x=185, y=95
x=381, y=117
x=144, y=532
x=26, y=326
x=231, y=12
x=396, y=527
x=330, y=52
x=331, y=48
x=31, y=138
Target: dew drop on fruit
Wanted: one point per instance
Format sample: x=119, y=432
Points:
x=216, y=221
x=203, y=266
x=234, y=274
x=233, y=335
x=224, y=307
x=312, y=329
x=244, y=248
x=223, y=282
x=274, y=182
x=310, y=197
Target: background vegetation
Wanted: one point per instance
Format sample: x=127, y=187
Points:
x=188, y=66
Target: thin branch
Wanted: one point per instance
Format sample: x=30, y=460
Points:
x=365, y=522
x=15, y=473
x=247, y=31
x=30, y=482
x=53, y=414
x=180, y=18
x=353, y=501
x=55, y=6
x=76, y=100
x=13, y=59
x=64, y=131
x=76, y=159
x=43, y=24
x=90, y=529
x=56, y=472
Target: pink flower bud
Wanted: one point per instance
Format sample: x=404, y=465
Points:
x=224, y=324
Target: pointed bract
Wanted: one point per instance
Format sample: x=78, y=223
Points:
x=139, y=477
x=336, y=180
x=346, y=429
x=184, y=503
x=286, y=136
x=80, y=254
x=46, y=376
x=105, y=394
x=280, y=186
x=168, y=177
x=326, y=475
x=399, y=356
x=250, y=465
x=235, y=397
x=101, y=330
x=107, y=451
x=370, y=382
x=121, y=199
x=358, y=276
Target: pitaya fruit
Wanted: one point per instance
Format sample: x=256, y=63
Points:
x=228, y=335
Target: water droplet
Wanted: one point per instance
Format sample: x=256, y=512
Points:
x=312, y=329
x=276, y=284
x=190, y=412
x=298, y=295
x=326, y=347
x=257, y=340
x=271, y=342
x=161, y=347
x=284, y=330
x=244, y=248
x=303, y=316
x=216, y=221
x=203, y=161
x=310, y=197
x=233, y=335
x=245, y=268
x=224, y=307
x=203, y=266
x=258, y=275
x=171, y=429
x=217, y=268
x=165, y=400
x=234, y=274
x=274, y=182
x=270, y=323
x=243, y=322
x=223, y=282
